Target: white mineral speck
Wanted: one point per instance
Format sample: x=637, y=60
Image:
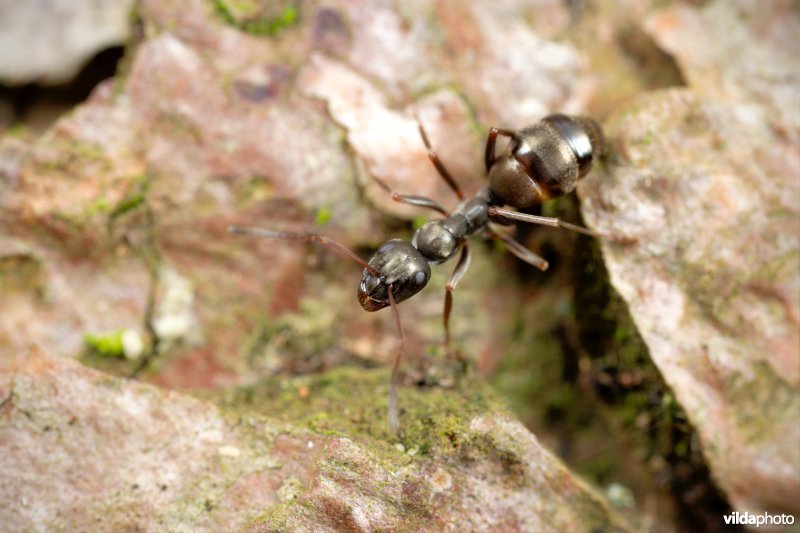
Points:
x=229, y=451
x=132, y=344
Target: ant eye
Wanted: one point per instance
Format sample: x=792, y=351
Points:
x=419, y=278
x=371, y=283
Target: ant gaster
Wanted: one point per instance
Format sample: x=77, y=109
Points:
x=540, y=162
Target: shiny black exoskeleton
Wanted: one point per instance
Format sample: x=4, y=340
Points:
x=405, y=265
x=541, y=162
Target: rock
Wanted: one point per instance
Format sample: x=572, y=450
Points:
x=398, y=157
x=80, y=450
x=113, y=225
x=704, y=180
x=217, y=121
x=48, y=42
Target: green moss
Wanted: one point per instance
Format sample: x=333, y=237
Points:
x=98, y=206
x=257, y=17
x=352, y=401
x=85, y=151
x=107, y=344
x=256, y=190
x=322, y=217
x=275, y=519
x=136, y=196
x=17, y=130
x=419, y=221
x=71, y=158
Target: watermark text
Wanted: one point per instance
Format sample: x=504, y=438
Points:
x=758, y=520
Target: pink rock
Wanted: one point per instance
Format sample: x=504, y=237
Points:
x=80, y=450
x=704, y=180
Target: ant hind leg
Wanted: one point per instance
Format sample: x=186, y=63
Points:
x=519, y=250
x=545, y=221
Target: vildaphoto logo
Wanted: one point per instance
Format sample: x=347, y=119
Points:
x=763, y=519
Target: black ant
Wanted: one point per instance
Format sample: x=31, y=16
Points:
x=541, y=162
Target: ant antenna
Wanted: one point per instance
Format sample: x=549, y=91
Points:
x=304, y=237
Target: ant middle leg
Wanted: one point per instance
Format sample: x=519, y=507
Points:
x=519, y=250
x=455, y=277
x=440, y=168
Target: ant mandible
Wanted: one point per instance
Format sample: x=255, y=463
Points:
x=541, y=162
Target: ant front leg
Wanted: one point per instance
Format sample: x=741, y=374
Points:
x=455, y=277
x=394, y=418
x=440, y=168
x=490, y=142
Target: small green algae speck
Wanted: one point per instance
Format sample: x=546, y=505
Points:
x=322, y=217
x=257, y=17
x=108, y=344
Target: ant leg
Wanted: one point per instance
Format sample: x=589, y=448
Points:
x=520, y=251
x=304, y=237
x=419, y=201
x=434, y=157
x=490, y=142
x=536, y=219
x=455, y=277
x=394, y=422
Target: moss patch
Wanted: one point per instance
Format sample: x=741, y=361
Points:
x=352, y=402
x=257, y=16
x=134, y=198
x=106, y=345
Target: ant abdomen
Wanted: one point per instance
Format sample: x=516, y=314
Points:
x=544, y=160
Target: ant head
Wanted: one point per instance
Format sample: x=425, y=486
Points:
x=401, y=266
x=545, y=160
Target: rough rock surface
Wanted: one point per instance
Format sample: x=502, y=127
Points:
x=705, y=179
x=113, y=241
x=48, y=42
x=80, y=450
x=124, y=204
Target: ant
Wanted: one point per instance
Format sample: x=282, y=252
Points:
x=540, y=162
